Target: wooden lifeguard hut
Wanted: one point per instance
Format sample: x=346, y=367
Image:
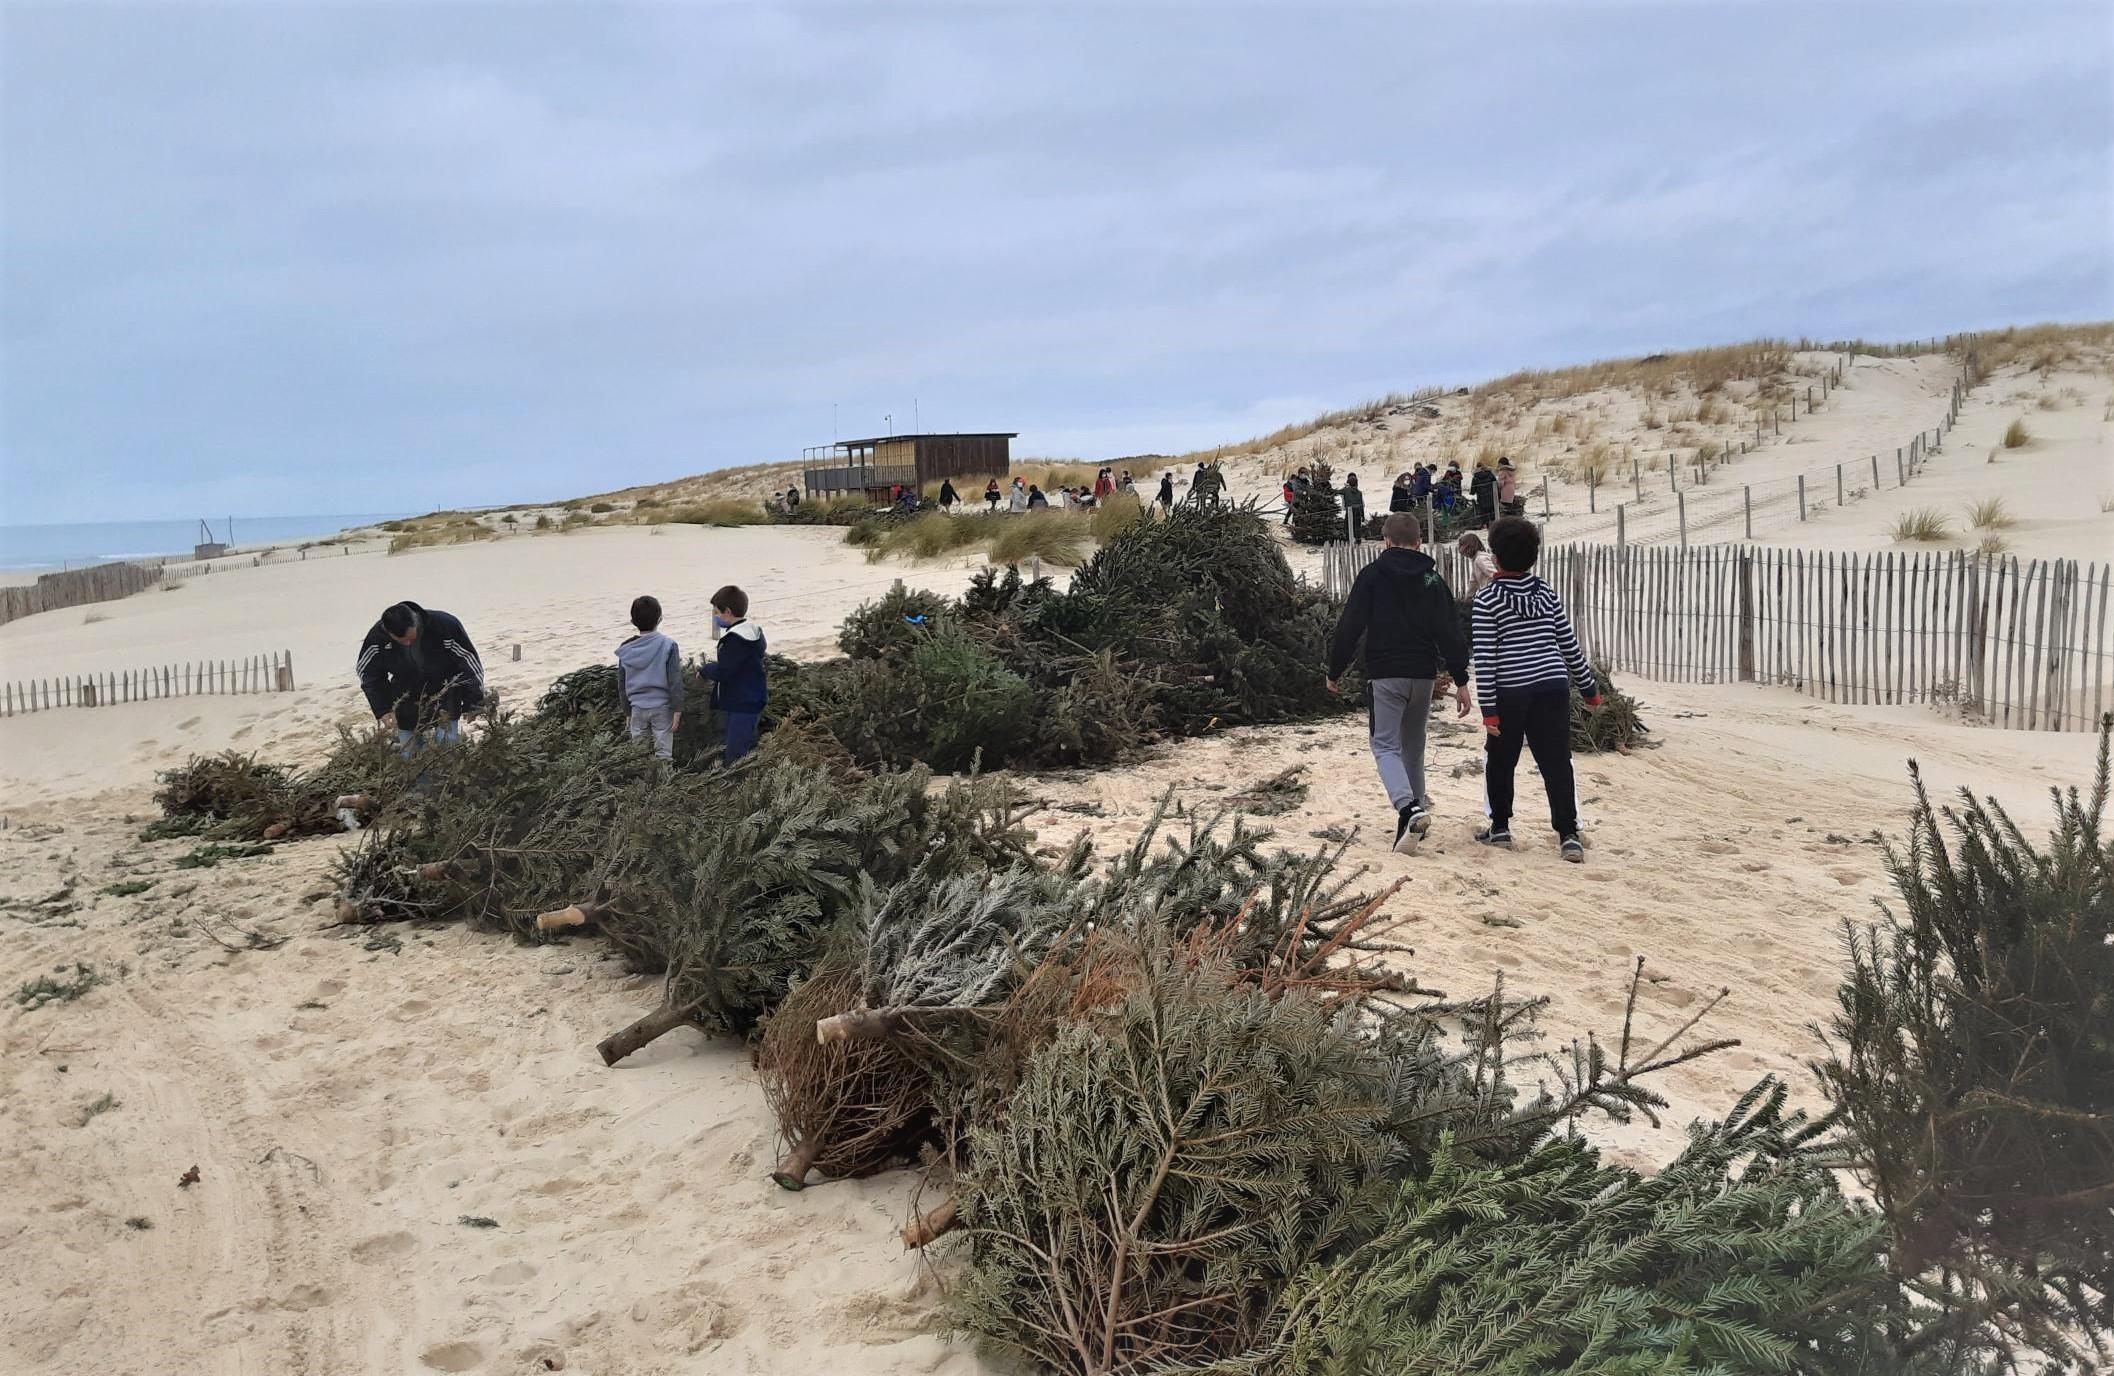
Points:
x=878, y=465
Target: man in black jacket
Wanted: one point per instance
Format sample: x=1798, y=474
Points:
x=418, y=667
x=1404, y=612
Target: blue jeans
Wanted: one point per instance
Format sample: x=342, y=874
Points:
x=741, y=734
x=411, y=743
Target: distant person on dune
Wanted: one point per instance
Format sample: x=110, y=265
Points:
x=420, y=674
x=947, y=497
x=1166, y=494
x=992, y=496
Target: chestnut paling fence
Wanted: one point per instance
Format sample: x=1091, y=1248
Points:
x=268, y=673
x=2021, y=643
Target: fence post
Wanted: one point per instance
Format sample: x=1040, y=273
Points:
x=1746, y=617
x=1681, y=502
x=1621, y=531
x=1591, y=503
x=1838, y=484
x=1875, y=472
x=1545, y=500
x=1801, y=496
x=1747, y=506
x=1900, y=474
x=1673, y=473
x=1637, y=475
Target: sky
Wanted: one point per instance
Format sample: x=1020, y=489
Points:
x=343, y=257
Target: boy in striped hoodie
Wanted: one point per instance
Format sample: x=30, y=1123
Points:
x=1526, y=658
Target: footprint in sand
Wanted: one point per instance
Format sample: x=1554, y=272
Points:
x=383, y=1248
x=453, y=1357
x=188, y=723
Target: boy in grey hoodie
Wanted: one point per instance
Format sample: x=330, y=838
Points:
x=652, y=667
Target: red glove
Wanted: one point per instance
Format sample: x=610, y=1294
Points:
x=1490, y=722
x=1593, y=701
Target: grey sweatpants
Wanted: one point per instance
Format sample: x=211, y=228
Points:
x=660, y=722
x=1401, y=707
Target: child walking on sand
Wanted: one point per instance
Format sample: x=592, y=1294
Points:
x=738, y=683
x=652, y=666
x=1526, y=659
x=1401, y=608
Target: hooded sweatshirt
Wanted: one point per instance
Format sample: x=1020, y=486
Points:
x=739, y=672
x=1403, y=610
x=1524, y=642
x=653, y=671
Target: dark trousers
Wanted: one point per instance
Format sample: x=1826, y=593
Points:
x=741, y=734
x=1539, y=718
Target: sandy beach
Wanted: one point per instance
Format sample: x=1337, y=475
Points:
x=409, y=1156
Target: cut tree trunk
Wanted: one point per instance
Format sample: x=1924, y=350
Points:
x=931, y=1227
x=792, y=1172
x=861, y=1025
x=655, y=1025
x=578, y=915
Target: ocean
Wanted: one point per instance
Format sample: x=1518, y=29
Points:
x=71, y=545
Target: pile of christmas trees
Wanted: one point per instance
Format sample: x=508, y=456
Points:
x=1174, y=628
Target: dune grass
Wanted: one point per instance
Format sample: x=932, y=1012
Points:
x=1990, y=514
x=1923, y=523
x=459, y=533
x=1993, y=545
x=934, y=535
x=713, y=514
x=1055, y=538
x=1118, y=514
x=2016, y=435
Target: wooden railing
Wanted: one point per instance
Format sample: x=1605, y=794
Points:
x=2019, y=643
x=273, y=673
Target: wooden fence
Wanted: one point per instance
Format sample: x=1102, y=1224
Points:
x=2020, y=643
x=51, y=591
x=273, y=673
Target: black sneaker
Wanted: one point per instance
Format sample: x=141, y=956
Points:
x=1574, y=849
x=1419, y=818
x=1495, y=836
x=1410, y=825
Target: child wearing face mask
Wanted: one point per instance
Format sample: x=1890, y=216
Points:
x=737, y=679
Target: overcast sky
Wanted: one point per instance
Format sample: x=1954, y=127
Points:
x=345, y=257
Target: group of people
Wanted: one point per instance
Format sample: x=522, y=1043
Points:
x=1521, y=655
x=1301, y=482
x=421, y=675
x=1493, y=490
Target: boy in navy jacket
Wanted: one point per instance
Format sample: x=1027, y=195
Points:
x=737, y=679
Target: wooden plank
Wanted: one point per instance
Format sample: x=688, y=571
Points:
x=2099, y=647
x=2035, y=633
x=2018, y=578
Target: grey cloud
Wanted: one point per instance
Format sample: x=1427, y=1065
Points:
x=335, y=257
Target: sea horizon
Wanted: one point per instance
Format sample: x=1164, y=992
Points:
x=51, y=546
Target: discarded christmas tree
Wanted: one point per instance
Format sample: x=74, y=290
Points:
x=1317, y=512
x=1973, y=1066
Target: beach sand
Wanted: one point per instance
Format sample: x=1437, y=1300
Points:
x=360, y=1102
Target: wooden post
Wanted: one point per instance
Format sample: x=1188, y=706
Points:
x=1681, y=502
x=1747, y=506
x=1838, y=484
x=1875, y=472
x=1545, y=499
x=1637, y=476
x=1590, y=486
x=1621, y=537
x=1801, y=496
x=1900, y=473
